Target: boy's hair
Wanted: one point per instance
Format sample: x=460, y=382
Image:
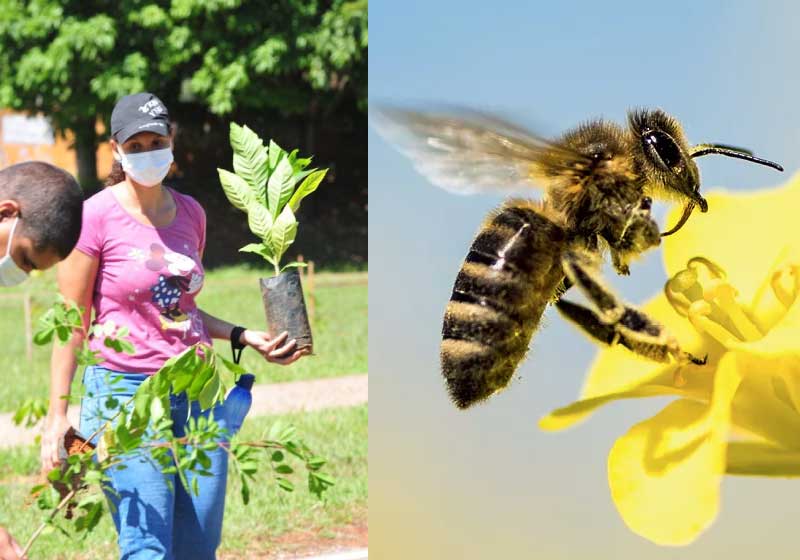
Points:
x=51, y=204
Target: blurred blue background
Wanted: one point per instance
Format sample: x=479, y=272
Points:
x=486, y=483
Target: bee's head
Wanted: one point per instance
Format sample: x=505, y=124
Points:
x=664, y=157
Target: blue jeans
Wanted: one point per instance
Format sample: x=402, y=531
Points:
x=152, y=520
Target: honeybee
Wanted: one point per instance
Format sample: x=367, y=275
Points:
x=598, y=180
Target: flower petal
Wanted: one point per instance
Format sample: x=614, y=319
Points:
x=761, y=459
x=759, y=408
x=737, y=232
x=664, y=474
x=697, y=386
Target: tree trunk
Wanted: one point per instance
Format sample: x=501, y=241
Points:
x=86, y=153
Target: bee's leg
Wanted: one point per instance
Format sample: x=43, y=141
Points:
x=640, y=233
x=619, y=260
x=588, y=321
x=635, y=331
x=582, y=272
x=615, y=322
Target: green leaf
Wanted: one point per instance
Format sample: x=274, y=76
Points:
x=280, y=186
x=245, y=491
x=156, y=410
x=293, y=265
x=199, y=382
x=208, y=396
x=44, y=336
x=63, y=333
x=260, y=249
x=285, y=484
x=249, y=159
x=325, y=479
x=182, y=381
x=275, y=153
x=308, y=186
x=236, y=189
x=283, y=232
x=248, y=467
x=260, y=221
x=141, y=401
x=275, y=430
x=232, y=367
x=286, y=434
x=284, y=469
x=204, y=460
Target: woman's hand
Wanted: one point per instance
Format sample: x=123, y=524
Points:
x=276, y=350
x=9, y=549
x=55, y=427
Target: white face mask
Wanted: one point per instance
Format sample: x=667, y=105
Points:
x=146, y=168
x=10, y=273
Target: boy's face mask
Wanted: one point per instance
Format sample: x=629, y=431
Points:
x=10, y=273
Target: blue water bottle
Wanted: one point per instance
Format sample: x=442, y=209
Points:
x=238, y=402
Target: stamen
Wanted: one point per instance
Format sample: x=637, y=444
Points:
x=724, y=295
x=681, y=290
x=698, y=316
x=678, y=301
x=784, y=286
x=716, y=270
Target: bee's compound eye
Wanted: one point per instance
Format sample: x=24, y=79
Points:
x=665, y=147
x=646, y=204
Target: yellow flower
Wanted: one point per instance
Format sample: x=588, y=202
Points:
x=735, y=278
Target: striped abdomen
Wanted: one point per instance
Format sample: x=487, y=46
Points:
x=510, y=274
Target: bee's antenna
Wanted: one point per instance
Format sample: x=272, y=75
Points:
x=731, y=151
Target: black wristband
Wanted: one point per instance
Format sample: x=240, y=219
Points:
x=236, y=346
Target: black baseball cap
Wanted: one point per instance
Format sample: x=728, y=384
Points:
x=140, y=112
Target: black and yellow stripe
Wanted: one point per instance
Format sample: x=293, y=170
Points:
x=509, y=275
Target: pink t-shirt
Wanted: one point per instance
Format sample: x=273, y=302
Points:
x=147, y=279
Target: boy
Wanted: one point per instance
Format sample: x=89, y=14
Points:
x=40, y=222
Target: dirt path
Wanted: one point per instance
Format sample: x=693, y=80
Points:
x=348, y=542
x=275, y=398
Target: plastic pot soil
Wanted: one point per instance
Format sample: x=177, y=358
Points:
x=285, y=307
x=71, y=443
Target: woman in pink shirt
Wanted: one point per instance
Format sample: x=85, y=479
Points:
x=138, y=263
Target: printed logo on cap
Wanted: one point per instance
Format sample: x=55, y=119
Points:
x=152, y=108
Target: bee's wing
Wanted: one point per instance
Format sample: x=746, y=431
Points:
x=472, y=152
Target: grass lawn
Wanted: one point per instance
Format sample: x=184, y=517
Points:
x=339, y=328
x=340, y=435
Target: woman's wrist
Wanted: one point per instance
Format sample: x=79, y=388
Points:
x=237, y=336
x=56, y=415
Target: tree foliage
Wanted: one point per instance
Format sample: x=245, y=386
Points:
x=72, y=60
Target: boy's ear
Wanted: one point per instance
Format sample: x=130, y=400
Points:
x=9, y=209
